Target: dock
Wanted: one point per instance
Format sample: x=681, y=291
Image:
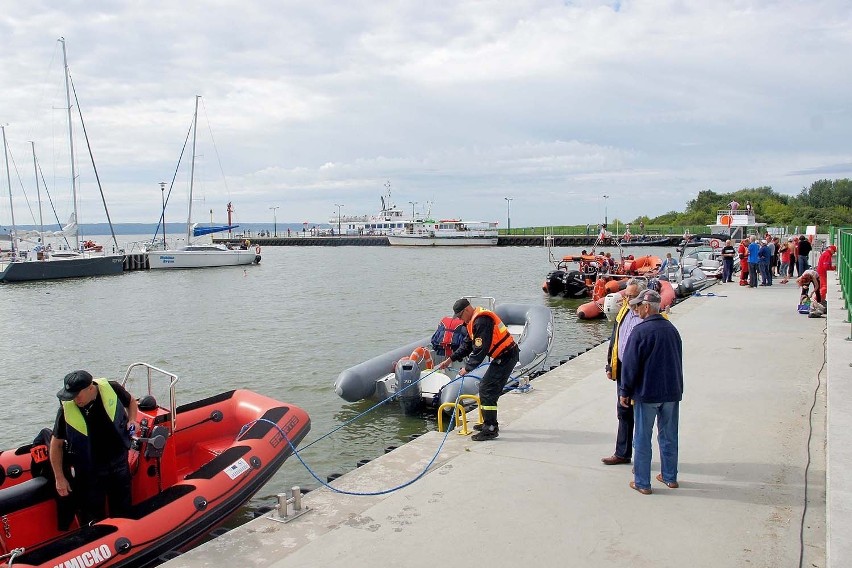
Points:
x=759, y=422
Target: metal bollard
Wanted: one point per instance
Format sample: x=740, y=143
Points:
x=297, y=498
x=282, y=505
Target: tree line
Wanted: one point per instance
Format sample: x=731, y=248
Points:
x=825, y=202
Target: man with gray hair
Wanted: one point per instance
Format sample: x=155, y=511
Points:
x=625, y=321
x=652, y=381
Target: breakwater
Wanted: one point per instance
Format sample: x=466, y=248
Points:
x=502, y=241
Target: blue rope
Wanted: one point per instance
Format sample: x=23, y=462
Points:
x=357, y=493
x=450, y=428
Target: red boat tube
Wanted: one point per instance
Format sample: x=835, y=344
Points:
x=199, y=463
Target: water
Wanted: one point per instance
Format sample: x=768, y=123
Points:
x=285, y=328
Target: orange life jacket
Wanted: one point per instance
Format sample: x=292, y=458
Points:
x=501, y=339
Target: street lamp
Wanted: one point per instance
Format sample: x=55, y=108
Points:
x=163, y=199
x=274, y=220
x=413, y=203
x=338, y=218
x=605, y=202
x=508, y=218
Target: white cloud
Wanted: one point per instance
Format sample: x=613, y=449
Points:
x=459, y=103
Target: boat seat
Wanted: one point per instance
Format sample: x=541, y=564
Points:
x=26, y=494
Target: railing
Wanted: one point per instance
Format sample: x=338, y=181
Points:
x=844, y=266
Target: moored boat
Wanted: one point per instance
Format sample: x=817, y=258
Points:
x=192, y=466
x=446, y=232
x=425, y=387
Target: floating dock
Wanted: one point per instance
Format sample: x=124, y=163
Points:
x=752, y=466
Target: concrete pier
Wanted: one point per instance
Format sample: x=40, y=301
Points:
x=752, y=466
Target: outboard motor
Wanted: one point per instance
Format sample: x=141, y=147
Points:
x=575, y=285
x=407, y=373
x=556, y=282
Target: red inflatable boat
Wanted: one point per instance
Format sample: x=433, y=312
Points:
x=194, y=466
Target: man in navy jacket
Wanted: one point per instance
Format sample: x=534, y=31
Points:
x=652, y=380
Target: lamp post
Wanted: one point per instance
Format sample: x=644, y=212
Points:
x=163, y=199
x=338, y=217
x=508, y=217
x=413, y=203
x=605, y=202
x=274, y=220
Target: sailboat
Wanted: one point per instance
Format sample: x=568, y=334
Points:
x=201, y=255
x=47, y=264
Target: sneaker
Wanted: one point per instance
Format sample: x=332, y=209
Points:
x=478, y=427
x=484, y=435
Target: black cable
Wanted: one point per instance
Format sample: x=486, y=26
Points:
x=810, y=435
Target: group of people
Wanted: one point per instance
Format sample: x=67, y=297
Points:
x=770, y=256
x=645, y=359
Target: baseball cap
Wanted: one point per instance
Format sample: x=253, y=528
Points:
x=459, y=306
x=74, y=382
x=649, y=296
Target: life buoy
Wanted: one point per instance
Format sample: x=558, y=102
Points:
x=600, y=289
x=422, y=357
x=715, y=243
x=726, y=220
x=257, y=249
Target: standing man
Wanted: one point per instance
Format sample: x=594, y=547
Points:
x=652, y=380
x=93, y=422
x=728, y=253
x=487, y=336
x=625, y=321
x=803, y=254
x=824, y=264
x=753, y=261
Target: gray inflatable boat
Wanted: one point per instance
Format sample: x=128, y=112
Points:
x=417, y=386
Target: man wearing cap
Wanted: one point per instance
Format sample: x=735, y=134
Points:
x=625, y=321
x=652, y=380
x=91, y=438
x=487, y=336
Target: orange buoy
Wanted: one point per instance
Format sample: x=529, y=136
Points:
x=611, y=286
x=422, y=357
x=589, y=310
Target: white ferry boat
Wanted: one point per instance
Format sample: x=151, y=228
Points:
x=447, y=232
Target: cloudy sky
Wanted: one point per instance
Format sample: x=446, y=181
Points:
x=456, y=103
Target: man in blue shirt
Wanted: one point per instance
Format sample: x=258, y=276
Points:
x=753, y=261
x=652, y=380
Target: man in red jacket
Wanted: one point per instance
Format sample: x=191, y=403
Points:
x=824, y=264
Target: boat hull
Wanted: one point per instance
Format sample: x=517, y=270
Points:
x=201, y=259
x=438, y=241
x=58, y=268
x=531, y=325
x=222, y=451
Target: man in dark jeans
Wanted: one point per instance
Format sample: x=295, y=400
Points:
x=804, y=253
x=93, y=422
x=728, y=253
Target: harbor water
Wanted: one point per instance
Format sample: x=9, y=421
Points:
x=284, y=328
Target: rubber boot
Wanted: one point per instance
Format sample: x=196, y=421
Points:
x=489, y=430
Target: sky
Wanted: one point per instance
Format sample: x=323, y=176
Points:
x=572, y=110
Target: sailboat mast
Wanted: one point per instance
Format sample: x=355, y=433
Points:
x=192, y=171
x=71, y=145
x=38, y=196
x=9, y=183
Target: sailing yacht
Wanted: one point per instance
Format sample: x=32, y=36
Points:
x=197, y=254
x=44, y=263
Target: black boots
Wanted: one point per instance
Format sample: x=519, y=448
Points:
x=489, y=430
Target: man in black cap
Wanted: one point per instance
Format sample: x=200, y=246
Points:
x=487, y=336
x=91, y=431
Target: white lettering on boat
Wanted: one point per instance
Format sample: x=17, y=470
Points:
x=88, y=559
